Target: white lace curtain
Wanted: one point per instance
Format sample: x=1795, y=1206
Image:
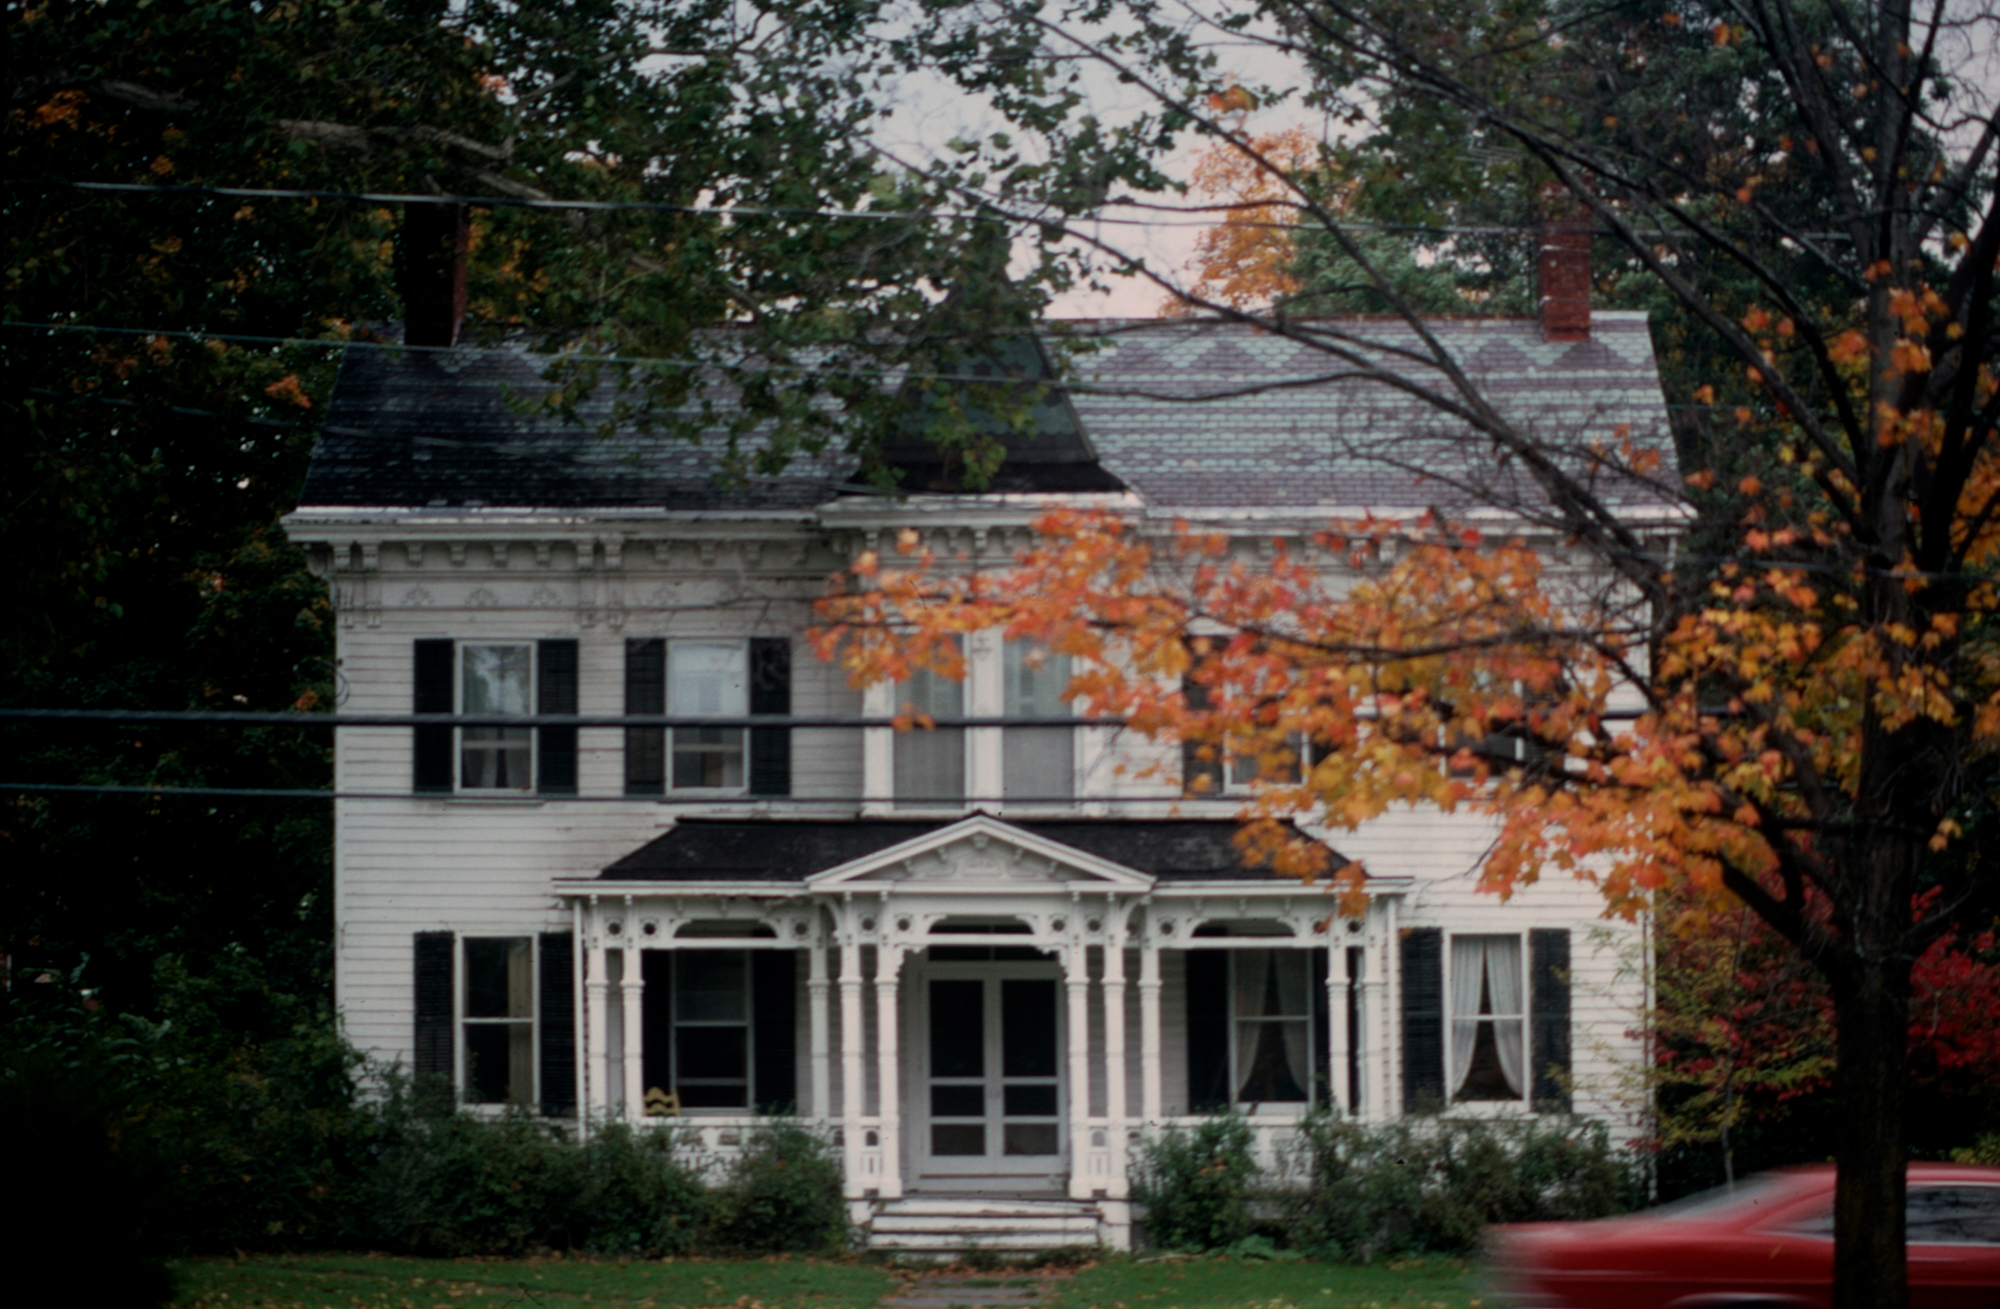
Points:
x=1491, y=964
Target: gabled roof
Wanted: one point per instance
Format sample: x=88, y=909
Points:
x=982, y=852
x=1187, y=415
x=793, y=849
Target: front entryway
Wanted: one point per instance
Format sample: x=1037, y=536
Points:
x=990, y=1099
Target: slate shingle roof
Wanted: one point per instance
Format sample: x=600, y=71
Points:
x=792, y=849
x=1289, y=431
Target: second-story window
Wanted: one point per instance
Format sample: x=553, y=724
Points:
x=496, y=680
x=930, y=762
x=708, y=678
x=1037, y=763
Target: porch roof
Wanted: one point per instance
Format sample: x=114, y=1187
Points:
x=791, y=849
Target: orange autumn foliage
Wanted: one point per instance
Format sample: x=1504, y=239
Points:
x=1245, y=260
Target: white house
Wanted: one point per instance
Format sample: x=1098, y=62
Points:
x=984, y=959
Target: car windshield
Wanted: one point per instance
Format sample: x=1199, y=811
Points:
x=1752, y=1195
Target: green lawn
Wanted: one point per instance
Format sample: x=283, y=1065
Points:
x=1222, y=1283
x=380, y=1282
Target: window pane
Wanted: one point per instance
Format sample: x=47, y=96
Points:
x=1038, y=763
x=707, y=677
x=708, y=757
x=1036, y=680
x=710, y=1053
x=499, y=1063
x=1954, y=1215
x=499, y=978
x=497, y=678
x=725, y=1096
x=711, y=986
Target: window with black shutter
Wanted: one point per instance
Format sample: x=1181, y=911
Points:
x=556, y=1033
x=495, y=680
x=698, y=678
x=436, y=1002
x=645, y=693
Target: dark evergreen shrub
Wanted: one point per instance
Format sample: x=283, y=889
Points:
x=637, y=1199
x=782, y=1195
x=1197, y=1186
x=1432, y=1185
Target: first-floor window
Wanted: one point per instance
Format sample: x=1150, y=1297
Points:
x=1488, y=1019
x=497, y=1026
x=1272, y=994
x=711, y=1046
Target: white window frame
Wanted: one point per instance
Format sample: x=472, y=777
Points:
x=1236, y=1020
x=460, y=649
x=742, y=647
x=1453, y=1074
x=970, y=742
x=463, y=1020
x=1235, y=786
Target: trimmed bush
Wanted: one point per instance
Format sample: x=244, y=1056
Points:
x=1197, y=1186
x=1432, y=1185
x=782, y=1195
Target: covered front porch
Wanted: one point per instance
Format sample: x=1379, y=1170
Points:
x=979, y=1008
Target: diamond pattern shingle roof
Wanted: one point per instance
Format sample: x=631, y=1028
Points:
x=1187, y=415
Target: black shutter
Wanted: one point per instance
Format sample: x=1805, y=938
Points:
x=431, y=1054
x=1208, y=1030
x=1548, y=1008
x=774, y=1031
x=1423, y=1019
x=1199, y=776
x=1322, y=1091
x=555, y=693
x=645, y=693
x=431, y=746
x=770, y=693
x=656, y=1020
x=556, y=1012
x=1356, y=961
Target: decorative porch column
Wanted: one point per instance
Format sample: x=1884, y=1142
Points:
x=632, y=988
x=1337, y=985
x=1151, y=1103
x=888, y=970
x=850, y=1055
x=1114, y=1051
x=818, y=996
x=597, y=1066
x=1076, y=981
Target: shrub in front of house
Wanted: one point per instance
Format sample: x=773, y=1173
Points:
x=782, y=1195
x=638, y=1199
x=1197, y=1185
x=1433, y=1185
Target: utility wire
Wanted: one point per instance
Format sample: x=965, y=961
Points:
x=503, y=797
x=295, y=719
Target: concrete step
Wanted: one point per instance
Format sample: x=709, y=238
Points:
x=949, y=1243
x=979, y=1206
x=1053, y=1226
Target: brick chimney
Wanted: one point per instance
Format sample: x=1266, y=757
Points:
x=1562, y=276
x=430, y=272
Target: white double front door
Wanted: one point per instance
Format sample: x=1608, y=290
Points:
x=988, y=1091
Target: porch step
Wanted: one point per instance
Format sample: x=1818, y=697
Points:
x=950, y=1225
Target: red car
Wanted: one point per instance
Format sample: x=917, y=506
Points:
x=1766, y=1243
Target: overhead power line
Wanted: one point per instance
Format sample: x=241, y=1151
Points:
x=264, y=718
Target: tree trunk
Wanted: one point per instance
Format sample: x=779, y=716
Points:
x=1871, y=1010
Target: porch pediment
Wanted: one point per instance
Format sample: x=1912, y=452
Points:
x=981, y=853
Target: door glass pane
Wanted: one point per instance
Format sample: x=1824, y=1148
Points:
x=1030, y=1101
x=958, y=1138
x=1031, y=1138
x=958, y=1101
x=958, y=1029
x=1028, y=1027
